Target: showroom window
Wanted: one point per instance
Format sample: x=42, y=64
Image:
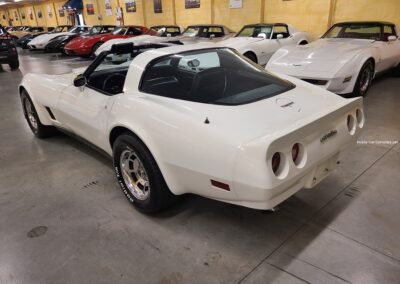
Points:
x=214, y=76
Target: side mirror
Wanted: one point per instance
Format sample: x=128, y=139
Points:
x=212, y=35
x=392, y=38
x=279, y=36
x=80, y=81
x=262, y=35
x=169, y=35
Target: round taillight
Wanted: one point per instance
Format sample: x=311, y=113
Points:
x=351, y=124
x=276, y=162
x=295, y=152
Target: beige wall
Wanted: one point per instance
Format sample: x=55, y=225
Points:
x=313, y=16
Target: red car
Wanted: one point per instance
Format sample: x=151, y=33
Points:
x=87, y=45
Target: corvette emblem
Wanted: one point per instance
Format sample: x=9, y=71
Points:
x=287, y=103
x=328, y=135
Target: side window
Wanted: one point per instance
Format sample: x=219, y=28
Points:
x=172, y=30
x=182, y=76
x=283, y=30
x=109, y=75
x=388, y=31
x=217, y=31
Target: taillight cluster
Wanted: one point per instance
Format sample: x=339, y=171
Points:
x=354, y=120
x=280, y=161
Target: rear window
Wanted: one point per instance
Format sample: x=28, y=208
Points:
x=212, y=76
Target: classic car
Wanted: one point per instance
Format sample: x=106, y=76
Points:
x=204, y=33
x=39, y=42
x=27, y=31
x=167, y=30
x=8, y=50
x=345, y=59
x=57, y=44
x=259, y=42
x=87, y=45
x=158, y=34
x=199, y=119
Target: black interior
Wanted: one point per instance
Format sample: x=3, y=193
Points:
x=110, y=81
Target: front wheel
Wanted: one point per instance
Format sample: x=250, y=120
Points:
x=139, y=176
x=40, y=130
x=364, y=79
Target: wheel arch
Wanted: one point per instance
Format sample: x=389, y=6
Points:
x=40, y=110
x=169, y=178
x=249, y=51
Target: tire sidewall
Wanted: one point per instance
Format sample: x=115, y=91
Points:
x=25, y=97
x=127, y=142
x=357, y=87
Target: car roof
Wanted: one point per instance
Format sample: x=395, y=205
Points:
x=366, y=22
x=266, y=24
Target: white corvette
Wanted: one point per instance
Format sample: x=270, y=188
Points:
x=259, y=42
x=41, y=41
x=345, y=59
x=196, y=119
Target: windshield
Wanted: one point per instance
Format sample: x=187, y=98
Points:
x=76, y=30
x=355, y=30
x=95, y=30
x=59, y=29
x=212, y=76
x=191, y=31
x=120, y=31
x=154, y=32
x=254, y=31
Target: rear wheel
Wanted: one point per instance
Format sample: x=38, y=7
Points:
x=139, y=176
x=251, y=56
x=303, y=42
x=364, y=79
x=14, y=64
x=396, y=71
x=40, y=130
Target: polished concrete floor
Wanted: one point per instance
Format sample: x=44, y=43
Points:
x=63, y=218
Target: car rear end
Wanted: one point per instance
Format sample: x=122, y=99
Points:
x=273, y=167
x=8, y=52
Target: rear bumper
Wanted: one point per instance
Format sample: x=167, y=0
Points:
x=268, y=198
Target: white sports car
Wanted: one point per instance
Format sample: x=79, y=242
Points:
x=345, y=59
x=41, y=41
x=259, y=42
x=196, y=119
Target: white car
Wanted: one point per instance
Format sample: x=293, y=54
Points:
x=191, y=35
x=196, y=119
x=41, y=41
x=259, y=42
x=345, y=59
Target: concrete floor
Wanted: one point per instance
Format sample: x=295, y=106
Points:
x=346, y=230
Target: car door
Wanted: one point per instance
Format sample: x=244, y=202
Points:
x=389, y=50
x=85, y=110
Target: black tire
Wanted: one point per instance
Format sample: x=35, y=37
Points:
x=159, y=197
x=40, y=130
x=304, y=42
x=251, y=56
x=364, y=79
x=95, y=47
x=14, y=64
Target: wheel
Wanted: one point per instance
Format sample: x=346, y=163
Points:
x=95, y=47
x=303, y=42
x=364, y=79
x=14, y=64
x=251, y=56
x=40, y=130
x=139, y=176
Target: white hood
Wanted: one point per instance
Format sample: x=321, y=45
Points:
x=45, y=38
x=323, y=57
x=239, y=42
